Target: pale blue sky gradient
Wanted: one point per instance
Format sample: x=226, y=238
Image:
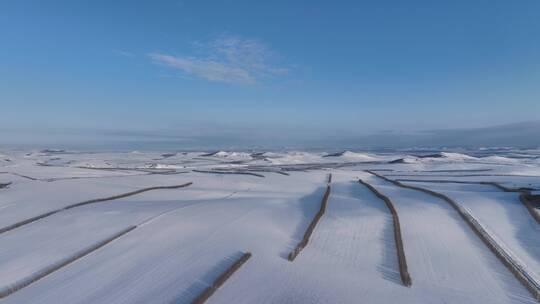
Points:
x=214, y=68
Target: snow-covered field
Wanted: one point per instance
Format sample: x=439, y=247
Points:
x=169, y=245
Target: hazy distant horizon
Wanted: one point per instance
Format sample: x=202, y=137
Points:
x=518, y=135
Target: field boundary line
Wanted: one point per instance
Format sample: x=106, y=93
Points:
x=210, y=290
x=505, y=257
x=402, y=261
x=92, y=201
x=309, y=231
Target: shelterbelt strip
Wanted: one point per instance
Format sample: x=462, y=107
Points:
x=18, y=285
x=402, y=261
x=92, y=201
x=507, y=259
x=307, y=235
x=525, y=195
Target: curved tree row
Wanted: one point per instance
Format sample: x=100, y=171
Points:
x=403, y=269
x=92, y=201
x=505, y=257
x=303, y=243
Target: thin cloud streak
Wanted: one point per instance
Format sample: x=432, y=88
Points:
x=206, y=69
x=229, y=59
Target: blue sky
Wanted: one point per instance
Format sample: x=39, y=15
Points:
x=266, y=69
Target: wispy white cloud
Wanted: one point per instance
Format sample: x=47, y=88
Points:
x=204, y=68
x=227, y=59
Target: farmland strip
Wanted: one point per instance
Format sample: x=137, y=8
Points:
x=92, y=201
x=524, y=193
x=303, y=243
x=56, y=266
x=402, y=261
x=228, y=172
x=506, y=258
x=210, y=290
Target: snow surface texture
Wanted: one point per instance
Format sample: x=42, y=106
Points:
x=185, y=238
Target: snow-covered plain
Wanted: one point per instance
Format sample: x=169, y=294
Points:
x=262, y=202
